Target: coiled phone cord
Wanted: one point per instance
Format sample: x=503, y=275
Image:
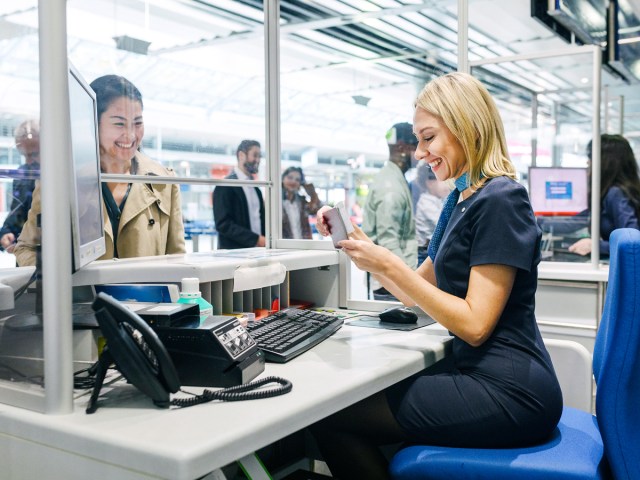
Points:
x=248, y=391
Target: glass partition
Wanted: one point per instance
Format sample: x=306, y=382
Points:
x=21, y=341
x=200, y=69
x=549, y=123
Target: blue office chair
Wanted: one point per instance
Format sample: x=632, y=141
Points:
x=583, y=446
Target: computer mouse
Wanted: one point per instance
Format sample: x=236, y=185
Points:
x=403, y=315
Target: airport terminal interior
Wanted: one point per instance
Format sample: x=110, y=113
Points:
x=318, y=85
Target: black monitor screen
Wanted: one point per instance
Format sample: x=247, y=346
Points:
x=86, y=195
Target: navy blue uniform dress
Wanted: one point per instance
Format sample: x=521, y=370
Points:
x=503, y=393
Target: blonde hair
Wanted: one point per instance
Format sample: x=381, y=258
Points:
x=470, y=113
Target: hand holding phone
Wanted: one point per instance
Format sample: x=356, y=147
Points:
x=339, y=223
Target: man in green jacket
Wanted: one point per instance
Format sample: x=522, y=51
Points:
x=388, y=213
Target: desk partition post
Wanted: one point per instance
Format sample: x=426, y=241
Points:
x=56, y=176
x=273, y=220
x=595, y=159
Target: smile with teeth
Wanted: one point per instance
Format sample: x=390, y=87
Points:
x=125, y=145
x=435, y=163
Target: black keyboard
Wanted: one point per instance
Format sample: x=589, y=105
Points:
x=288, y=333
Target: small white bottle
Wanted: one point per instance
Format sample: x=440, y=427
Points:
x=191, y=294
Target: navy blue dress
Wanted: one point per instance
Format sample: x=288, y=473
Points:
x=503, y=393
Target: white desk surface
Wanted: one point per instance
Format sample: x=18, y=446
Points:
x=207, y=266
x=129, y=433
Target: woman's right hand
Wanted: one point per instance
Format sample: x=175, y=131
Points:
x=358, y=234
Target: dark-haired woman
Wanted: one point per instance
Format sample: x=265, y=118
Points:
x=295, y=207
x=141, y=219
x=619, y=192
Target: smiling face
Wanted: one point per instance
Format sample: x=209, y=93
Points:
x=121, y=130
x=438, y=146
x=292, y=181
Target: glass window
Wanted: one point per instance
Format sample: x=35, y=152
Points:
x=20, y=328
x=200, y=69
x=548, y=124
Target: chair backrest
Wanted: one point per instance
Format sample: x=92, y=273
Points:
x=616, y=358
x=572, y=363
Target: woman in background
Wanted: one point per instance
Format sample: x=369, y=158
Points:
x=295, y=207
x=141, y=219
x=619, y=192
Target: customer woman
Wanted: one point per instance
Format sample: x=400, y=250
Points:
x=296, y=208
x=619, y=192
x=497, y=388
x=141, y=219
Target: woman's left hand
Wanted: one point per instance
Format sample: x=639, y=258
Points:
x=581, y=247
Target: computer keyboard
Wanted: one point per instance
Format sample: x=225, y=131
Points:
x=290, y=332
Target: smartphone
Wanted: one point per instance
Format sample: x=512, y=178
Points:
x=339, y=223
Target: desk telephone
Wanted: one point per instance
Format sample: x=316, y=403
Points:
x=221, y=354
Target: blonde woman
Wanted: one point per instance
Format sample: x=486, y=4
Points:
x=498, y=387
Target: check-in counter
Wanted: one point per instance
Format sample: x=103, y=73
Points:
x=570, y=299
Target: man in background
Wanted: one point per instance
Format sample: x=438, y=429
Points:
x=27, y=137
x=238, y=212
x=388, y=211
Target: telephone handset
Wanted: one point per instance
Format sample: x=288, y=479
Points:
x=143, y=360
x=136, y=350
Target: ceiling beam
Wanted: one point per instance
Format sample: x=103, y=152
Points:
x=293, y=27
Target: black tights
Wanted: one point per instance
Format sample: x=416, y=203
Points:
x=349, y=440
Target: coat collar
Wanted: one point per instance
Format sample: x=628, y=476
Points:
x=143, y=195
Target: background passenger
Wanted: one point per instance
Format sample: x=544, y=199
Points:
x=428, y=206
x=479, y=282
x=27, y=137
x=141, y=219
x=238, y=212
x=619, y=192
x=388, y=210
x=295, y=207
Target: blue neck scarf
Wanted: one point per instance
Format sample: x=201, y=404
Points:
x=462, y=183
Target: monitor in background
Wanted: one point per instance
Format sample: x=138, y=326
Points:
x=87, y=222
x=558, y=191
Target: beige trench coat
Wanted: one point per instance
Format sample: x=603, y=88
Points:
x=138, y=235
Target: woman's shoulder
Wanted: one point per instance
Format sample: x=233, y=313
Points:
x=500, y=193
x=500, y=186
x=614, y=193
x=148, y=166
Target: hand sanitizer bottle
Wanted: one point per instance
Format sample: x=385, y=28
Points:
x=191, y=294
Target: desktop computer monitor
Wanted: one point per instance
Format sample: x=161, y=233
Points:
x=87, y=222
x=558, y=191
